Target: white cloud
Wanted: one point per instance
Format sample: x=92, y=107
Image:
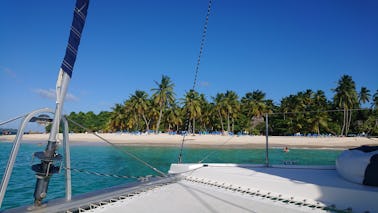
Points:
x=71, y=97
x=51, y=94
x=9, y=72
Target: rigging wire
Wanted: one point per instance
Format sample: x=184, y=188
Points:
x=116, y=147
x=12, y=119
x=313, y=111
x=109, y=175
x=204, y=32
x=202, y=43
x=211, y=153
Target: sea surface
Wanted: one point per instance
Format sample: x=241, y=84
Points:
x=109, y=160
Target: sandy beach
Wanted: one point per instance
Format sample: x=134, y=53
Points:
x=213, y=141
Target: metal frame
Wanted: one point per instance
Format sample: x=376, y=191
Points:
x=16, y=146
x=267, y=140
x=67, y=157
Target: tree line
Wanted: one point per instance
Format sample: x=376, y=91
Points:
x=307, y=112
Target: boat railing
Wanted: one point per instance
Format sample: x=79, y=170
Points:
x=32, y=117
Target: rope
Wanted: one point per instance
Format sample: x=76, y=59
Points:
x=202, y=43
x=204, y=32
x=116, y=147
x=110, y=175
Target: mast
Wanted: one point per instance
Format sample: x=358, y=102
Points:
x=46, y=168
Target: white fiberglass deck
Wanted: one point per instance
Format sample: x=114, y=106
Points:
x=243, y=188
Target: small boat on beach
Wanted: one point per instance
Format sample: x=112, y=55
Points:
x=200, y=187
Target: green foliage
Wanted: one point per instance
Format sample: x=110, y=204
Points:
x=163, y=97
x=306, y=112
x=98, y=123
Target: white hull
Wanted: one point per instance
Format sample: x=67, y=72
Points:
x=232, y=188
x=253, y=188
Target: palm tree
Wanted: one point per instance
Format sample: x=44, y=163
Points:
x=254, y=106
x=364, y=95
x=163, y=96
x=219, y=107
x=131, y=116
x=174, y=117
x=320, y=117
x=117, y=118
x=232, y=108
x=375, y=100
x=305, y=105
x=140, y=103
x=153, y=113
x=345, y=98
x=292, y=105
x=206, y=112
x=192, y=105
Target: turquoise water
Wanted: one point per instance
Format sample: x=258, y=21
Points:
x=108, y=160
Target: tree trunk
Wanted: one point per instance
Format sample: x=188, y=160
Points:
x=158, y=123
x=233, y=125
x=221, y=120
x=137, y=121
x=228, y=122
x=349, y=120
x=194, y=126
x=146, y=122
x=344, y=122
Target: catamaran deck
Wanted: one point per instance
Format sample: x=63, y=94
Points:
x=232, y=188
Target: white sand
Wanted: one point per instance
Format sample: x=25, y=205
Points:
x=211, y=140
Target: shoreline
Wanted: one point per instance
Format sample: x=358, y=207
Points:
x=205, y=141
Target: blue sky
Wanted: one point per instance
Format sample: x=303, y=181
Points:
x=280, y=47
